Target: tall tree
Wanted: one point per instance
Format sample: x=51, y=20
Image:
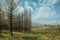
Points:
x=0, y=24
x=21, y=21
x=19, y=24
x=1, y=17
x=29, y=20
x=12, y=4
x=25, y=20
x=1, y=20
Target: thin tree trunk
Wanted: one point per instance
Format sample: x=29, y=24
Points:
x=19, y=23
x=11, y=18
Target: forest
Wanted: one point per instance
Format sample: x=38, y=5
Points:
x=16, y=25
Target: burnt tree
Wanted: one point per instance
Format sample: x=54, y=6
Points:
x=12, y=4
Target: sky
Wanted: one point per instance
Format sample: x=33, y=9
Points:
x=42, y=11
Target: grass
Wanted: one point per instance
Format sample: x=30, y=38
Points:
x=46, y=34
x=22, y=36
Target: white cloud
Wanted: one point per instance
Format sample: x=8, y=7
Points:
x=47, y=2
x=27, y=6
x=34, y=3
x=52, y=1
x=26, y=3
x=19, y=9
x=43, y=12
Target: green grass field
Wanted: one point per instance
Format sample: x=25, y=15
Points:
x=21, y=36
x=45, y=34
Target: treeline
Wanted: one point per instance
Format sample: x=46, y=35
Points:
x=9, y=21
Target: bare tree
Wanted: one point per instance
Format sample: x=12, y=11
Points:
x=22, y=21
x=19, y=24
x=0, y=24
x=29, y=20
x=1, y=20
x=25, y=20
x=12, y=4
x=1, y=17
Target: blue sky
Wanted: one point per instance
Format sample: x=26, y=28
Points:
x=43, y=11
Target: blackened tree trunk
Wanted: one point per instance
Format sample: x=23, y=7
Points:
x=22, y=22
x=11, y=4
x=19, y=24
x=0, y=25
x=11, y=24
x=11, y=19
